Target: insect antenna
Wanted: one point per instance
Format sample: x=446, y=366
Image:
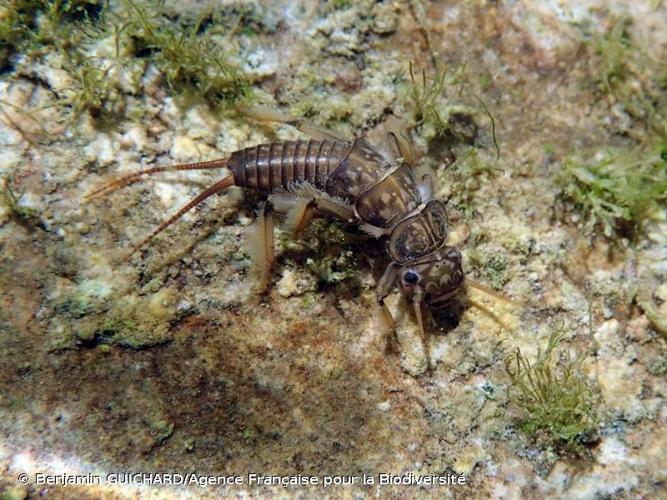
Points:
x=491, y=293
x=487, y=290
x=219, y=186
x=136, y=176
x=489, y=313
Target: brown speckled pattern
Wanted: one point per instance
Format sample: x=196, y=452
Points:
x=419, y=234
x=307, y=382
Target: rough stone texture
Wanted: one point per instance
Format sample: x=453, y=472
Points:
x=171, y=363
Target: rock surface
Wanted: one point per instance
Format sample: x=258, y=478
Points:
x=171, y=363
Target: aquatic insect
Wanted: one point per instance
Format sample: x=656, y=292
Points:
x=373, y=186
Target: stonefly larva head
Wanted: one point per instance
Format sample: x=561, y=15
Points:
x=434, y=278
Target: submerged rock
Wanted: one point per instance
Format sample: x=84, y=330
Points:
x=170, y=361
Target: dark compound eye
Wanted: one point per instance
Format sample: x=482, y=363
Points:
x=411, y=277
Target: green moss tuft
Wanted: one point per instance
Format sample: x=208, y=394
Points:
x=469, y=173
x=17, y=20
x=491, y=268
x=430, y=114
x=96, y=92
x=26, y=26
x=69, y=27
x=192, y=60
x=625, y=74
x=556, y=402
x=619, y=191
x=612, y=48
x=328, y=250
x=193, y=64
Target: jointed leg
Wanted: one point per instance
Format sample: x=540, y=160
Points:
x=261, y=245
x=298, y=212
x=303, y=212
x=329, y=206
x=425, y=188
x=384, y=287
x=300, y=216
x=316, y=132
x=301, y=207
x=417, y=299
x=398, y=134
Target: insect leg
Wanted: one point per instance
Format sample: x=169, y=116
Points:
x=387, y=282
x=302, y=204
x=330, y=206
x=261, y=244
x=425, y=188
x=298, y=211
x=266, y=114
x=398, y=136
x=315, y=131
x=303, y=213
x=383, y=289
x=300, y=216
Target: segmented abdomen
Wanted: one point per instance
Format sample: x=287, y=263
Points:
x=270, y=166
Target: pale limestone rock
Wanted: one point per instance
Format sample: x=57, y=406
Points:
x=469, y=458
x=294, y=283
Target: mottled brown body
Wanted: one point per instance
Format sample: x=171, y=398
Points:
x=349, y=171
x=383, y=194
x=353, y=180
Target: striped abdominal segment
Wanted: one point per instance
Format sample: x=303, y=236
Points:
x=267, y=167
